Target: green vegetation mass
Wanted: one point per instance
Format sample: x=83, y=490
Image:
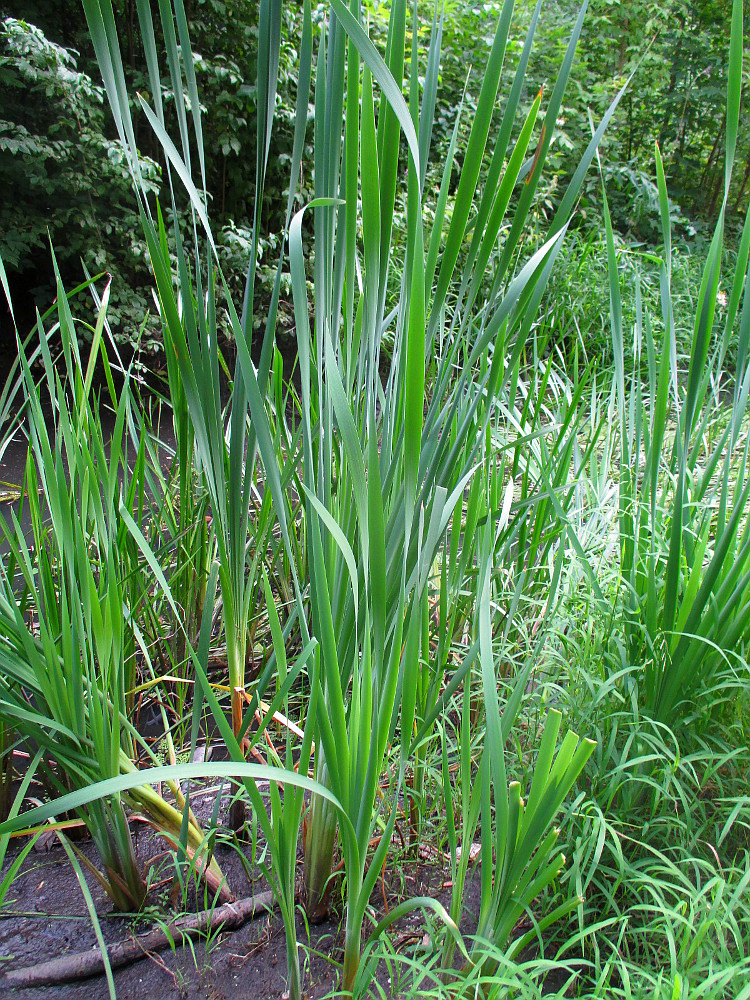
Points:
x=388, y=430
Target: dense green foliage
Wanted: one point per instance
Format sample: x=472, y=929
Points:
x=677, y=100
x=56, y=149
x=63, y=179
x=478, y=569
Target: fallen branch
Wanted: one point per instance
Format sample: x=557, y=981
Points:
x=81, y=965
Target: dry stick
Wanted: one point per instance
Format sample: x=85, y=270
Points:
x=81, y=965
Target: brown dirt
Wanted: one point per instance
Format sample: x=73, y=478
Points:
x=44, y=916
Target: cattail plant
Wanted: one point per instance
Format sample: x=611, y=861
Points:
x=222, y=442
x=387, y=461
x=518, y=854
x=683, y=495
x=70, y=638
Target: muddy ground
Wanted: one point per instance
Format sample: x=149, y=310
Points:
x=44, y=916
